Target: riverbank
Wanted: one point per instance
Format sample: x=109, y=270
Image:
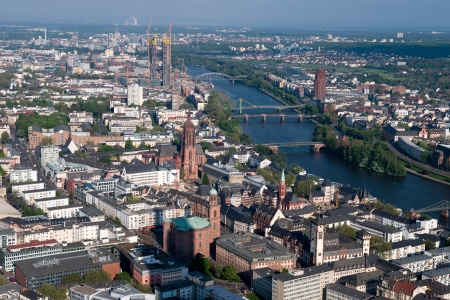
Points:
x=411, y=171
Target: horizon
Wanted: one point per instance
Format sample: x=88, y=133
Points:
x=382, y=14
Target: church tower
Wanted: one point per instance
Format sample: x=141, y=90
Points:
x=281, y=189
x=188, y=153
x=214, y=213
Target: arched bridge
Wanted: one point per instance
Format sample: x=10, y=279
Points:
x=219, y=76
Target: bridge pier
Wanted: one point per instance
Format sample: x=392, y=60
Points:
x=300, y=118
x=445, y=213
x=246, y=118
x=264, y=118
x=282, y=118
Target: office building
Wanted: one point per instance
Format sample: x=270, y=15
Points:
x=302, y=284
x=320, y=83
x=33, y=249
x=341, y=292
x=32, y=273
x=166, y=60
x=49, y=154
x=135, y=94
x=240, y=250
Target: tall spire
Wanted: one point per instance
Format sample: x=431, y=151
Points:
x=282, y=175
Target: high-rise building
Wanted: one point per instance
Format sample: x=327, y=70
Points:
x=135, y=94
x=49, y=154
x=188, y=150
x=154, y=57
x=166, y=60
x=320, y=83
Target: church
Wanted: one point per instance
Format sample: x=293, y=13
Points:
x=192, y=156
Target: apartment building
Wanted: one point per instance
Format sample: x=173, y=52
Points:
x=66, y=211
x=46, y=203
x=30, y=196
x=27, y=186
x=23, y=175
x=49, y=154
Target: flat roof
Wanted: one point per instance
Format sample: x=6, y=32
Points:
x=41, y=266
x=39, y=190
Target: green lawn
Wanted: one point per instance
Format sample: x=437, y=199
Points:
x=252, y=296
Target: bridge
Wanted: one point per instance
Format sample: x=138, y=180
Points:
x=264, y=117
x=278, y=107
x=316, y=146
x=443, y=206
x=219, y=76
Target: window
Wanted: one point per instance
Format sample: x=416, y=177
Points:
x=200, y=244
x=200, y=235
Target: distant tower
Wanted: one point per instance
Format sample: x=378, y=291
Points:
x=154, y=57
x=166, y=60
x=188, y=153
x=281, y=189
x=320, y=83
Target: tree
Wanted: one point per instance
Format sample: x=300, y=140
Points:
x=97, y=276
x=245, y=139
x=143, y=288
x=72, y=278
x=304, y=187
x=284, y=270
x=117, y=221
x=124, y=276
x=205, y=179
x=429, y=245
x=310, y=109
x=90, y=143
x=5, y=137
x=129, y=144
x=379, y=246
x=205, y=145
x=46, y=141
x=2, y=172
x=2, y=280
x=347, y=230
x=229, y=273
x=201, y=264
x=53, y=292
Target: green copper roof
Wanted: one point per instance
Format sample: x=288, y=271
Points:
x=188, y=223
x=213, y=191
x=282, y=175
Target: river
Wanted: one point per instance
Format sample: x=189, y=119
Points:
x=405, y=192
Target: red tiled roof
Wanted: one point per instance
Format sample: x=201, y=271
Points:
x=405, y=288
x=31, y=244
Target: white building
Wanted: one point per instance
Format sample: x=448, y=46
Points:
x=67, y=211
x=135, y=94
x=312, y=281
x=22, y=175
x=49, y=154
x=46, y=203
x=27, y=186
x=81, y=117
x=29, y=250
x=149, y=175
x=30, y=196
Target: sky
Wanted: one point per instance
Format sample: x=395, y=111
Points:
x=277, y=13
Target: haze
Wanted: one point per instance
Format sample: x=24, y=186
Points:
x=292, y=13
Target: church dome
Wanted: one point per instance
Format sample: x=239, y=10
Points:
x=213, y=191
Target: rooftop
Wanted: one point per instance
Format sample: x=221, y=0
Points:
x=189, y=223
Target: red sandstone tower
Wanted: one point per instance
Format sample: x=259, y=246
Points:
x=320, y=83
x=188, y=153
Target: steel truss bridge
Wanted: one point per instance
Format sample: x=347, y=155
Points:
x=443, y=205
x=219, y=76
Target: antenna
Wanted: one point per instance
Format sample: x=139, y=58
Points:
x=148, y=47
x=170, y=51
